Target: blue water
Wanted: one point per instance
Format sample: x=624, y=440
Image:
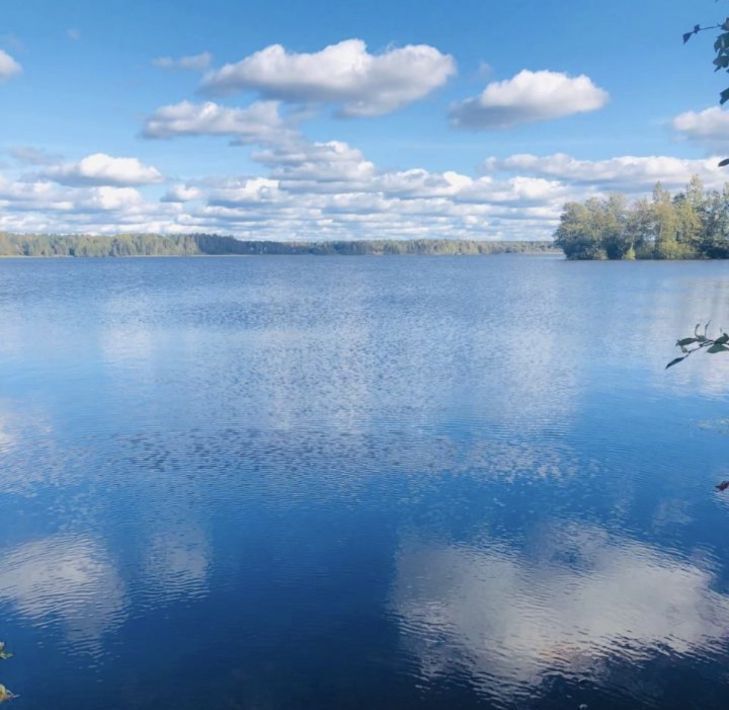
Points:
x=362, y=483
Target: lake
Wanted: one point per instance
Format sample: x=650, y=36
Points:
x=332, y=482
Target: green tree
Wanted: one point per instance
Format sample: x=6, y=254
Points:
x=691, y=224
x=612, y=224
x=577, y=234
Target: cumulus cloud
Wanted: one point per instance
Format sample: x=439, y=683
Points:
x=181, y=193
x=193, y=62
x=709, y=126
x=112, y=198
x=8, y=66
x=318, y=166
x=629, y=173
x=344, y=74
x=246, y=192
x=256, y=123
x=528, y=97
x=103, y=169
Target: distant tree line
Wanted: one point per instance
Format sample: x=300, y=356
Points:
x=210, y=244
x=692, y=224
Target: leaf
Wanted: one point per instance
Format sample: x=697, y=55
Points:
x=6, y=694
x=724, y=96
x=717, y=348
x=722, y=42
x=722, y=486
x=722, y=339
x=686, y=341
x=687, y=36
x=724, y=163
x=675, y=361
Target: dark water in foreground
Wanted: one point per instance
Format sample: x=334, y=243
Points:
x=362, y=483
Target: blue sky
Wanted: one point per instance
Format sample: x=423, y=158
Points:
x=308, y=120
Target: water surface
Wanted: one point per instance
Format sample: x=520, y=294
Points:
x=284, y=482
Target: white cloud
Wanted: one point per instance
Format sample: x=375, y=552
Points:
x=528, y=97
x=628, y=172
x=112, y=198
x=709, y=126
x=246, y=192
x=8, y=66
x=181, y=193
x=103, y=169
x=258, y=122
x=344, y=74
x=193, y=62
x=317, y=166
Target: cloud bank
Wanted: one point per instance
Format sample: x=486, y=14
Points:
x=314, y=190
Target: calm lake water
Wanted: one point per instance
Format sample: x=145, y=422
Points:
x=362, y=482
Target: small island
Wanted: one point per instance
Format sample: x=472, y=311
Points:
x=691, y=224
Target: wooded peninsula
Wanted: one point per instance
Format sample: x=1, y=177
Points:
x=692, y=224
x=12, y=245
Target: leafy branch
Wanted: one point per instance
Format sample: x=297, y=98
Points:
x=698, y=28
x=700, y=341
x=721, y=60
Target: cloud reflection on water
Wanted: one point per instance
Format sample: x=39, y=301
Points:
x=508, y=620
x=177, y=563
x=67, y=579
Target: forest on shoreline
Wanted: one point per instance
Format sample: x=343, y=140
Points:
x=691, y=224
x=14, y=245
